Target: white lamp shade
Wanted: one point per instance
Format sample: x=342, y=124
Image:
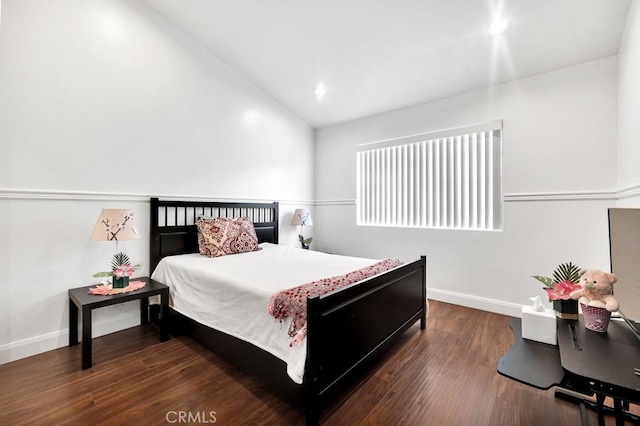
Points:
x=302, y=217
x=115, y=225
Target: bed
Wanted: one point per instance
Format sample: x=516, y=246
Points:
x=345, y=329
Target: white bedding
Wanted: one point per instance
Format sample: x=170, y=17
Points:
x=231, y=293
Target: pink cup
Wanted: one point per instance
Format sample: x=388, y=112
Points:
x=596, y=319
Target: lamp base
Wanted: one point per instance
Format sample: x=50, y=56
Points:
x=120, y=282
x=304, y=243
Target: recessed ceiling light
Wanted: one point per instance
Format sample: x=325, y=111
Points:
x=320, y=90
x=497, y=26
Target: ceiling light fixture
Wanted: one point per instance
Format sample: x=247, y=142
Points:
x=497, y=26
x=320, y=90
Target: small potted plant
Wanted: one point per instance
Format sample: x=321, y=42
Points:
x=565, y=280
x=305, y=242
x=121, y=270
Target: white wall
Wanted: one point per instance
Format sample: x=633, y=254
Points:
x=559, y=165
x=629, y=111
x=103, y=104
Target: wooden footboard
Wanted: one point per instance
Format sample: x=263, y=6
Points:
x=347, y=328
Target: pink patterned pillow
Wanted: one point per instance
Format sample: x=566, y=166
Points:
x=222, y=236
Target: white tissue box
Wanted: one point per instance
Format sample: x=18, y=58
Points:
x=539, y=326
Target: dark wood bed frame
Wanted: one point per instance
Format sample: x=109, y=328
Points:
x=346, y=329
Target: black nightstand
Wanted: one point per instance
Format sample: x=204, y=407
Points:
x=79, y=298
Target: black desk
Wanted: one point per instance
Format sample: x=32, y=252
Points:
x=603, y=365
x=532, y=363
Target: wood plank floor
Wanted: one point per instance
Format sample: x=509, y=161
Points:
x=445, y=375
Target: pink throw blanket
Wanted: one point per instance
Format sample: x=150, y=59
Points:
x=293, y=302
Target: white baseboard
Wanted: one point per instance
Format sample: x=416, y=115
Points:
x=475, y=302
x=46, y=342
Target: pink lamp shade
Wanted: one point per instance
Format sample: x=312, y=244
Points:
x=115, y=225
x=302, y=217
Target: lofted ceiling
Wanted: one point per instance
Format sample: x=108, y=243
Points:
x=380, y=55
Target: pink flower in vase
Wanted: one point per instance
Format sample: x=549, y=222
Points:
x=561, y=290
x=125, y=270
x=121, y=267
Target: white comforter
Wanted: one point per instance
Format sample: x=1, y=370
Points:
x=231, y=293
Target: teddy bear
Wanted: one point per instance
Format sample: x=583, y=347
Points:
x=596, y=290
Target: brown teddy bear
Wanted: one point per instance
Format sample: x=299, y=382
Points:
x=597, y=289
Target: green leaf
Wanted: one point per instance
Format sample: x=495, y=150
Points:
x=103, y=274
x=119, y=259
x=548, y=282
x=567, y=271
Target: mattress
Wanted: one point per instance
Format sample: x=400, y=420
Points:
x=231, y=293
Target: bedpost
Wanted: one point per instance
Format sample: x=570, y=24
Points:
x=276, y=219
x=154, y=244
x=423, y=318
x=312, y=403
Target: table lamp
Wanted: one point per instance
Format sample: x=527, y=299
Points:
x=117, y=225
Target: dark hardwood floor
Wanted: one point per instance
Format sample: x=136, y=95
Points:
x=445, y=375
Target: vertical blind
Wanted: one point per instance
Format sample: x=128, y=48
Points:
x=447, y=181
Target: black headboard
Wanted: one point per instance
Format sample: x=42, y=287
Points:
x=173, y=229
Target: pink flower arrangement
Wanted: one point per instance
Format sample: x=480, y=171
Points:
x=565, y=280
x=125, y=270
x=561, y=290
x=120, y=267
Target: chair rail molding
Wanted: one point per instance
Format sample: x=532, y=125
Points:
x=47, y=194
x=632, y=191
x=629, y=192
x=42, y=194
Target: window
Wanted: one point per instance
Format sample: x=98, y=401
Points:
x=449, y=179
